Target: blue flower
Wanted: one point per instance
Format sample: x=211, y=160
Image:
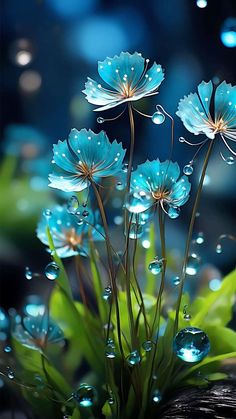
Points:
x=129, y=78
x=159, y=183
x=86, y=157
x=36, y=331
x=195, y=111
x=70, y=233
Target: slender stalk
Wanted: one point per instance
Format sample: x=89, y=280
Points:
x=190, y=232
x=110, y=262
x=131, y=152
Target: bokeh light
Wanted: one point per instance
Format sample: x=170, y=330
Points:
x=201, y=4
x=30, y=81
x=21, y=52
x=72, y=9
x=228, y=32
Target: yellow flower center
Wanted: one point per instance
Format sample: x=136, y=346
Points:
x=160, y=195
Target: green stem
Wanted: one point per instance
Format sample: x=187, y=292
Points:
x=190, y=232
x=110, y=263
x=131, y=152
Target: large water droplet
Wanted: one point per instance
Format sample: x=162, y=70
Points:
x=176, y=280
x=133, y=358
x=173, y=212
x=230, y=160
x=135, y=231
x=52, y=271
x=107, y=293
x=147, y=345
x=191, y=344
x=218, y=248
x=188, y=169
x=110, y=349
x=100, y=120
x=85, y=396
x=156, y=266
x=73, y=205
x=158, y=118
x=193, y=264
x=28, y=273
x=137, y=202
x=156, y=396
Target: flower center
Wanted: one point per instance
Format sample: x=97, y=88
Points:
x=85, y=171
x=73, y=239
x=219, y=125
x=160, y=194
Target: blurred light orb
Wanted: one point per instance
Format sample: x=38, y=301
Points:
x=71, y=9
x=228, y=32
x=214, y=284
x=202, y=4
x=21, y=52
x=97, y=37
x=30, y=81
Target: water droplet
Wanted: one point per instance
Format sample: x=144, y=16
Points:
x=176, y=280
x=158, y=118
x=200, y=238
x=111, y=400
x=85, y=213
x=230, y=160
x=125, y=167
x=137, y=202
x=10, y=373
x=201, y=4
x=28, y=273
x=52, y=271
x=7, y=349
x=181, y=139
x=47, y=213
x=156, y=396
x=73, y=205
x=39, y=381
x=156, y=266
x=135, y=231
x=110, y=349
x=188, y=169
x=107, y=293
x=191, y=344
x=100, y=120
x=193, y=264
x=133, y=358
x=187, y=316
x=218, y=248
x=85, y=396
x=147, y=345
x=120, y=186
x=173, y=212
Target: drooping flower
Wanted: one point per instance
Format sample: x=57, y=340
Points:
x=70, y=233
x=86, y=157
x=128, y=77
x=156, y=182
x=195, y=111
x=36, y=331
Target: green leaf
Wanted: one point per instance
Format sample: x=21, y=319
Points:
x=97, y=284
x=76, y=414
x=222, y=339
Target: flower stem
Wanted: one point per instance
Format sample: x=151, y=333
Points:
x=190, y=232
x=131, y=152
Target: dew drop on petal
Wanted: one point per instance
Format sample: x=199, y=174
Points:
x=133, y=358
x=107, y=293
x=147, y=345
x=218, y=248
x=176, y=280
x=52, y=271
x=158, y=118
x=28, y=273
x=173, y=212
x=188, y=169
x=100, y=120
x=156, y=396
x=191, y=344
x=156, y=266
x=230, y=160
x=193, y=264
x=73, y=205
x=85, y=396
x=47, y=213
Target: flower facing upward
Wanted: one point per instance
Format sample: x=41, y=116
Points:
x=85, y=157
x=195, y=111
x=128, y=77
x=161, y=184
x=36, y=331
x=70, y=233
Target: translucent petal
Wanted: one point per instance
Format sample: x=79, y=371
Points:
x=225, y=104
x=98, y=95
x=205, y=93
